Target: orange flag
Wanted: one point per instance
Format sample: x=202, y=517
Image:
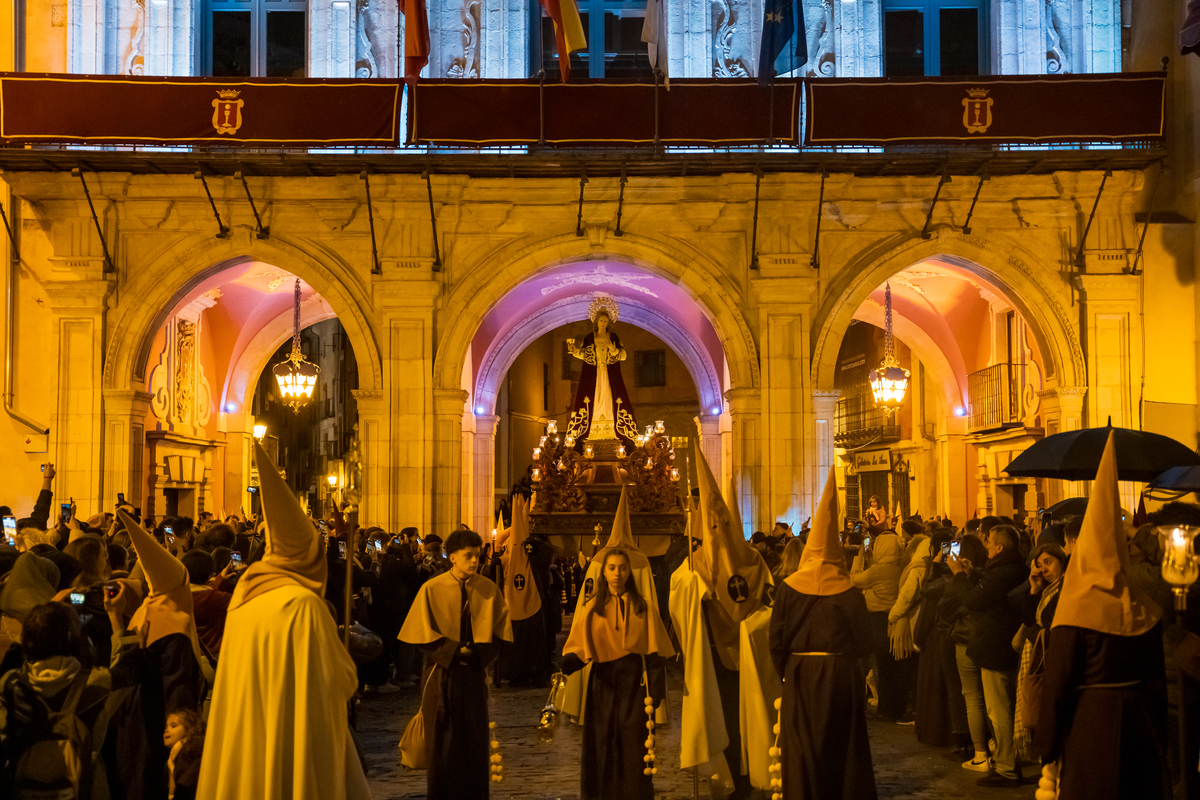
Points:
x=520, y=591
x=568, y=32
x=416, y=38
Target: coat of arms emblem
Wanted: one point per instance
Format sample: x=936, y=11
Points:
x=227, y=111
x=977, y=111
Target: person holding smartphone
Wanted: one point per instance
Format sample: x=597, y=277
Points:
x=876, y=570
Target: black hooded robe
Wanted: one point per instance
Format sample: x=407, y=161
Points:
x=823, y=730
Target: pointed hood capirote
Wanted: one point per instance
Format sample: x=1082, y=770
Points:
x=822, y=569
x=520, y=589
x=168, y=604
x=294, y=554
x=735, y=573
x=1096, y=593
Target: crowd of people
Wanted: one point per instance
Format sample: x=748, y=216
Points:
x=179, y=658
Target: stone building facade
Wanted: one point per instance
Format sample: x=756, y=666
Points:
x=755, y=308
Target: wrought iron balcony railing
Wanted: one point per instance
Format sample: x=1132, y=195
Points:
x=994, y=395
x=858, y=422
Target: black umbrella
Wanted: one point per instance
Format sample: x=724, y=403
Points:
x=1071, y=507
x=1075, y=455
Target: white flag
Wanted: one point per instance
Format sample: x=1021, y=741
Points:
x=654, y=34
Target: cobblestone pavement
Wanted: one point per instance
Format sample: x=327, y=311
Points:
x=537, y=771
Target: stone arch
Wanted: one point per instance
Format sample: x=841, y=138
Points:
x=165, y=282
x=998, y=260
x=505, y=349
x=700, y=278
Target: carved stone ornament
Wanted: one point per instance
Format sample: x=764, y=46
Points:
x=185, y=353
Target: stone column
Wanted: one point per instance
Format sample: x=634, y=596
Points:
x=824, y=403
x=376, y=505
x=745, y=407
x=74, y=357
x=1062, y=410
x=447, y=459
x=125, y=413
x=485, y=473
x=708, y=427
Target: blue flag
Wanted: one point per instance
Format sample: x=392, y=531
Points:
x=784, y=43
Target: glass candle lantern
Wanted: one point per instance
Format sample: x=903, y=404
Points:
x=537, y=453
x=659, y=427
x=1180, y=565
x=674, y=474
x=588, y=450
x=620, y=451
x=537, y=474
x=569, y=441
x=551, y=427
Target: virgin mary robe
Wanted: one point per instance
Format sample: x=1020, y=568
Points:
x=587, y=391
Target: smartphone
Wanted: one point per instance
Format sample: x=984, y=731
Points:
x=236, y=557
x=10, y=530
x=341, y=549
x=65, y=513
x=324, y=528
x=378, y=544
x=120, y=498
x=78, y=598
x=954, y=548
x=866, y=541
x=168, y=530
x=946, y=549
x=43, y=467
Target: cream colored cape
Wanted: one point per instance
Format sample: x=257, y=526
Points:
x=278, y=726
x=520, y=589
x=704, y=736
x=760, y=687
x=436, y=612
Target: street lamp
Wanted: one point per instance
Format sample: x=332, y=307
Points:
x=260, y=431
x=333, y=481
x=889, y=381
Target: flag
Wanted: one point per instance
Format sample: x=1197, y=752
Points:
x=568, y=32
x=520, y=590
x=654, y=34
x=734, y=571
x=416, y=38
x=784, y=43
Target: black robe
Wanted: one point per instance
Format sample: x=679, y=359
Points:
x=614, y=729
x=1112, y=741
x=457, y=736
x=823, y=730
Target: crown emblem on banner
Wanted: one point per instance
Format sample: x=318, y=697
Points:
x=228, y=94
x=977, y=94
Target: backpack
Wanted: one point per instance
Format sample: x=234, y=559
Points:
x=50, y=758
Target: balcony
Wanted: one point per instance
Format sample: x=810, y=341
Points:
x=858, y=422
x=994, y=395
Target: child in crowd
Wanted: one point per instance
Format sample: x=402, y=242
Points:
x=184, y=735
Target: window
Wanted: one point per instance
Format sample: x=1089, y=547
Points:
x=614, y=34
x=650, y=368
x=256, y=38
x=933, y=37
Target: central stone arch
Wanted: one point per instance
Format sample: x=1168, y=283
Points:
x=460, y=375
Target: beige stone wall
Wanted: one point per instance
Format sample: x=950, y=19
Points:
x=412, y=328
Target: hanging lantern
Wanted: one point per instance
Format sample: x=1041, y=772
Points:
x=296, y=375
x=889, y=381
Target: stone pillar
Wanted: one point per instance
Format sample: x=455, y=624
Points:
x=784, y=357
x=708, y=427
x=376, y=506
x=447, y=460
x=824, y=403
x=858, y=39
x=503, y=40
x=1062, y=410
x=125, y=413
x=955, y=461
x=484, y=473
x=745, y=407
x=1113, y=334
x=74, y=356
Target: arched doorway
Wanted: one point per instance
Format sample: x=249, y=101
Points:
x=188, y=418
x=993, y=368
x=538, y=309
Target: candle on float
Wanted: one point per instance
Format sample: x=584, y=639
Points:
x=537, y=453
x=588, y=451
x=537, y=474
x=621, y=451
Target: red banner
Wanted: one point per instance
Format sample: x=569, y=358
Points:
x=180, y=111
x=697, y=112
x=1028, y=108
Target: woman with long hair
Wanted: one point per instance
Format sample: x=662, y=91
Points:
x=624, y=640
x=875, y=516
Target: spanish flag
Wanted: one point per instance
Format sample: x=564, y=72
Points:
x=416, y=38
x=568, y=32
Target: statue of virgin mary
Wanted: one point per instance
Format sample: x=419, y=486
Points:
x=602, y=409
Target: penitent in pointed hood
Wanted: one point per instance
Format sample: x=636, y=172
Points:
x=735, y=573
x=168, y=604
x=294, y=555
x=1096, y=593
x=520, y=590
x=822, y=569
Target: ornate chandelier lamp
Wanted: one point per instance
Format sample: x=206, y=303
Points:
x=889, y=381
x=296, y=375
